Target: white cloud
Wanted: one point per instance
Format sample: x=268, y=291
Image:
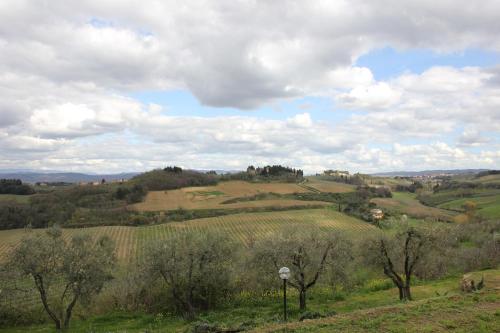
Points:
x=472, y=137
x=66, y=69
x=239, y=54
x=300, y=120
x=377, y=96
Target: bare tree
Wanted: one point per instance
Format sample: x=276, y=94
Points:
x=399, y=256
x=64, y=273
x=307, y=252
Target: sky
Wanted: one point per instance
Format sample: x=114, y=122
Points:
x=107, y=86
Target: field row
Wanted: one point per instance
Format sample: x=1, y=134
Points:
x=244, y=228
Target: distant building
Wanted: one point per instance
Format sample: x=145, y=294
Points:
x=377, y=214
x=122, y=180
x=251, y=170
x=337, y=173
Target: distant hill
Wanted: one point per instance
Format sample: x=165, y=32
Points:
x=67, y=177
x=173, y=178
x=428, y=173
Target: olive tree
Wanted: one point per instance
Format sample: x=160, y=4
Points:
x=64, y=272
x=308, y=254
x=196, y=268
x=399, y=255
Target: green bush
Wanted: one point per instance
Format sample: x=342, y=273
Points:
x=378, y=284
x=310, y=315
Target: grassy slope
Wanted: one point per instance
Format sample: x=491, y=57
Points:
x=364, y=311
x=328, y=186
x=461, y=313
x=211, y=197
x=488, y=206
x=487, y=199
x=455, y=312
x=17, y=198
x=406, y=203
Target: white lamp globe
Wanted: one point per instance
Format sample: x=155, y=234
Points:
x=284, y=273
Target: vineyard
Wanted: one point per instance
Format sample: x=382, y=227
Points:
x=244, y=228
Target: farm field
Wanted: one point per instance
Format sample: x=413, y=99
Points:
x=328, y=186
x=488, y=206
x=244, y=228
x=212, y=197
x=491, y=179
x=388, y=181
x=406, y=203
x=13, y=197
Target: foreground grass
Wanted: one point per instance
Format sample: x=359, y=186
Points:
x=478, y=312
x=368, y=310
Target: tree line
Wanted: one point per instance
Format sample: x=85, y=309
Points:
x=171, y=178
x=15, y=186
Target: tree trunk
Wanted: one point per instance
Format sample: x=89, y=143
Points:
x=407, y=293
x=190, y=311
x=302, y=300
x=43, y=296
x=69, y=311
x=404, y=293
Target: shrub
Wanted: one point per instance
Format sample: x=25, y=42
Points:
x=310, y=315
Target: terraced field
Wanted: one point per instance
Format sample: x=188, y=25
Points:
x=328, y=186
x=244, y=228
x=211, y=197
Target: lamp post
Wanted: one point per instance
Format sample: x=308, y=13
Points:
x=284, y=273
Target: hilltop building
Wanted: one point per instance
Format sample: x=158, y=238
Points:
x=337, y=173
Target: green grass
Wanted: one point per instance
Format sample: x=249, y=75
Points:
x=488, y=206
x=475, y=313
x=113, y=322
x=407, y=203
x=483, y=191
x=24, y=199
x=369, y=310
x=429, y=312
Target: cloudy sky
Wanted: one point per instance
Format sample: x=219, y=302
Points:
x=110, y=86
